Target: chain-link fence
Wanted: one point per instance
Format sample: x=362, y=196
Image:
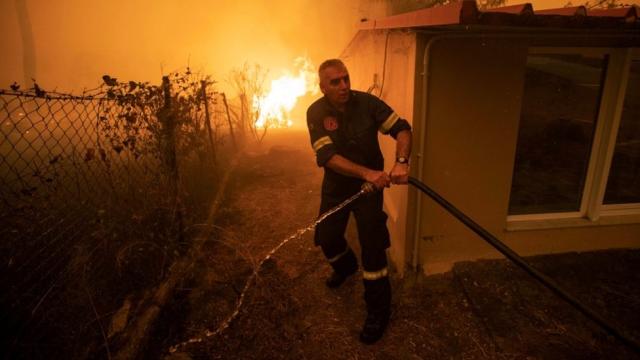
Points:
x=96, y=191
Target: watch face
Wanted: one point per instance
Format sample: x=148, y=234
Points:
x=402, y=160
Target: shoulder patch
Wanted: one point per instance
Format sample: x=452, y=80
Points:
x=330, y=123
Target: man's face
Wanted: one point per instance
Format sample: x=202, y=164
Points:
x=335, y=85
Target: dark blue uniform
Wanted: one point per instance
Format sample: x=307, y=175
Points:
x=353, y=134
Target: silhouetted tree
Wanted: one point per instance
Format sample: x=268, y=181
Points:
x=248, y=82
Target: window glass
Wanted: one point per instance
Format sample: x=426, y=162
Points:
x=623, y=184
x=557, y=122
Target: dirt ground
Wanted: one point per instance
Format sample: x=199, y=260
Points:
x=479, y=310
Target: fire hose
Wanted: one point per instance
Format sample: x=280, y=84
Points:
x=518, y=260
x=621, y=335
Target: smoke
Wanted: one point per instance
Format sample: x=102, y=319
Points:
x=78, y=41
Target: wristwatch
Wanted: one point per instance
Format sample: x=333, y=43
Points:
x=402, y=160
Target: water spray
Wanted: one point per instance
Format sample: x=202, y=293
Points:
x=621, y=335
x=366, y=189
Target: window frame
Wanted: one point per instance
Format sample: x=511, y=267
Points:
x=592, y=210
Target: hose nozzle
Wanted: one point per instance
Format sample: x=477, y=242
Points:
x=368, y=188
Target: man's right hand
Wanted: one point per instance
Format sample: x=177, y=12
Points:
x=379, y=179
x=346, y=167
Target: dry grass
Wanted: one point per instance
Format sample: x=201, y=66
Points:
x=483, y=310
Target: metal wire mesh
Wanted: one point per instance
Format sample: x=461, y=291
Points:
x=91, y=206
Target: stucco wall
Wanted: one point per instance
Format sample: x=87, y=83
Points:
x=474, y=88
x=473, y=105
x=465, y=118
x=365, y=58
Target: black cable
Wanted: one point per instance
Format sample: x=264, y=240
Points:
x=518, y=260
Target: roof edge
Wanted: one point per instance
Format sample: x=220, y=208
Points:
x=518, y=9
x=521, y=15
x=463, y=12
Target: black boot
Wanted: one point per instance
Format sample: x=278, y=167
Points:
x=343, y=267
x=377, y=295
x=374, y=327
x=335, y=280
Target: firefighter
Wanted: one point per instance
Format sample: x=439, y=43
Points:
x=343, y=126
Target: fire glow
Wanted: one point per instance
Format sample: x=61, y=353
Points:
x=274, y=108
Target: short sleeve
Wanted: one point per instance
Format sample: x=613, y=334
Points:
x=389, y=122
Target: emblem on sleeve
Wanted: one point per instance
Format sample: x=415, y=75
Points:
x=330, y=123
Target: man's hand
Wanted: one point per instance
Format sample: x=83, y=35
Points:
x=400, y=174
x=379, y=179
x=341, y=165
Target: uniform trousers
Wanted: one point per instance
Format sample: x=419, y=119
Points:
x=373, y=237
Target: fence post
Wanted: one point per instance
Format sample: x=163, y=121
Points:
x=226, y=106
x=203, y=83
x=169, y=124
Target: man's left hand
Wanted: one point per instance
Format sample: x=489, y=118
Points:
x=400, y=174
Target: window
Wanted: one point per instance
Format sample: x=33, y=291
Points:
x=559, y=111
x=578, y=147
x=623, y=184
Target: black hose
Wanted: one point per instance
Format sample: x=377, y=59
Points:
x=518, y=260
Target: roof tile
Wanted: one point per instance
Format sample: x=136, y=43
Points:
x=522, y=15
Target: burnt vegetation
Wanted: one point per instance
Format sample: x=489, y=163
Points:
x=101, y=196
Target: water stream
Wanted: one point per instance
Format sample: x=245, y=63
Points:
x=225, y=324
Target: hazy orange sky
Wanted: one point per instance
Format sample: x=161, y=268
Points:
x=75, y=42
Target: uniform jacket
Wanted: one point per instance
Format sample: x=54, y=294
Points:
x=352, y=134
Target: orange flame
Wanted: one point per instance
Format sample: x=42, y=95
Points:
x=275, y=107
